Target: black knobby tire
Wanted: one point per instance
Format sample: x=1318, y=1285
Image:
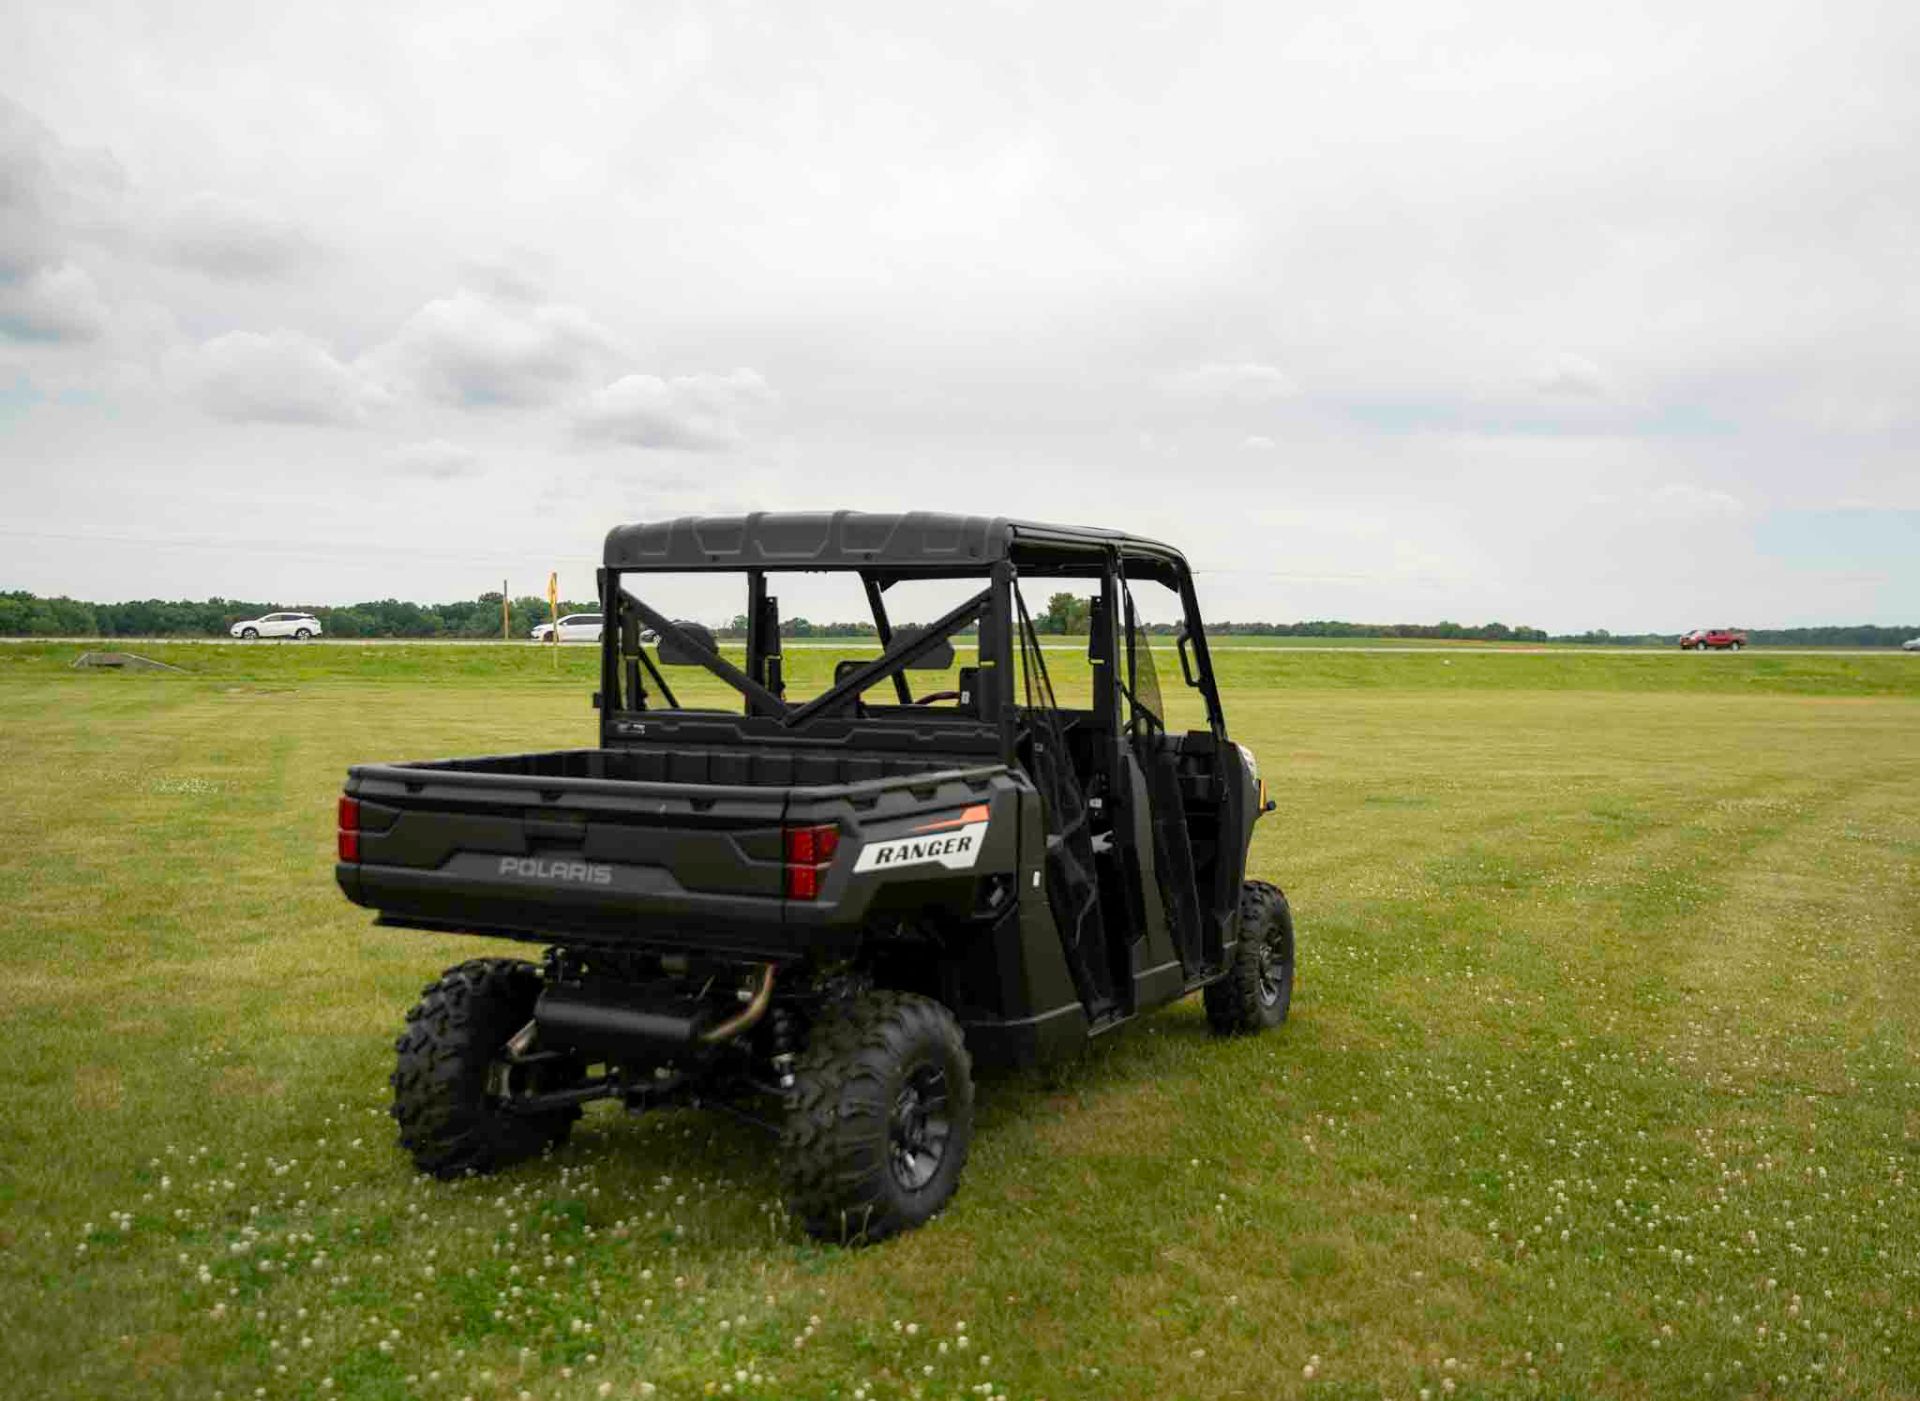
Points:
x=1257, y=990
x=448, y=1119
x=879, y=1118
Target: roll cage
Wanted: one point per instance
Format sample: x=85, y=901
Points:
x=883, y=551
x=1143, y=832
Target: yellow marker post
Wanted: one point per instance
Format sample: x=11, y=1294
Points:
x=506, y=614
x=553, y=602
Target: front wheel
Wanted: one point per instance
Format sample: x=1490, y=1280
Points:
x=249, y=634
x=879, y=1119
x=1257, y=991
x=450, y=1118
x=1736, y=646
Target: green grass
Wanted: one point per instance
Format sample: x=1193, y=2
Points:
x=576, y=669
x=1603, y=1077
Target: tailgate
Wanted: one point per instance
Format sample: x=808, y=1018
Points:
x=526, y=854
x=669, y=864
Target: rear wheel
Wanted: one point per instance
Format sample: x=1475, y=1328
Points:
x=1257, y=991
x=450, y=1120
x=302, y=634
x=879, y=1120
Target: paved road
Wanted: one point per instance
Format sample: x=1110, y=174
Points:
x=794, y=644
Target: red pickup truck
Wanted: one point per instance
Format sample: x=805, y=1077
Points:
x=1716, y=639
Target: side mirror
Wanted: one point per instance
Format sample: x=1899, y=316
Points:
x=701, y=636
x=1186, y=659
x=939, y=657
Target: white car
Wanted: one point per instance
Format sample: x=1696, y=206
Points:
x=1912, y=644
x=575, y=627
x=296, y=625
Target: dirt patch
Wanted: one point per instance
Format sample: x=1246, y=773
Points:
x=1126, y=1123
x=97, y=1087
x=243, y=1082
x=157, y=1352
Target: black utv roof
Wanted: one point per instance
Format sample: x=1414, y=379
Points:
x=909, y=543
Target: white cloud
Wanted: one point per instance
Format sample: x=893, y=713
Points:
x=51, y=303
x=49, y=193
x=693, y=412
x=231, y=238
x=1242, y=382
x=476, y=349
x=521, y=275
x=25, y=235
x=1569, y=376
x=1685, y=500
x=282, y=377
x=436, y=458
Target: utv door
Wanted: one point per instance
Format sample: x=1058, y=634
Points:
x=1194, y=789
x=1072, y=869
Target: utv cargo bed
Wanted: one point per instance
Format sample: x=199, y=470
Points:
x=645, y=848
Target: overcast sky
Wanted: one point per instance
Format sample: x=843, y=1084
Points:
x=1574, y=315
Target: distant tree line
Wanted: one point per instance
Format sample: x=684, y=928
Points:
x=1444, y=631
x=802, y=627
x=24, y=614
x=1071, y=614
x=1840, y=635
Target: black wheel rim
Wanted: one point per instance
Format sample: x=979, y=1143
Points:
x=919, y=1127
x=1276, y=970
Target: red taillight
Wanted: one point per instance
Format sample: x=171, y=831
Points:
x=349, y=829
x=812, y=846
x=809, y=851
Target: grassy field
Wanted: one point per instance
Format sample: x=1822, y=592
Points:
x=1603, y=1077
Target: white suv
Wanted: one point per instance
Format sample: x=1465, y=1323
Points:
x=575, y=627
x=297, y=625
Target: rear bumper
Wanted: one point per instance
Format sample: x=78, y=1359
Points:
x=454, y=902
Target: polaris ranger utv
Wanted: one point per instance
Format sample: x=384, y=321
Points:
x=821, y=913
